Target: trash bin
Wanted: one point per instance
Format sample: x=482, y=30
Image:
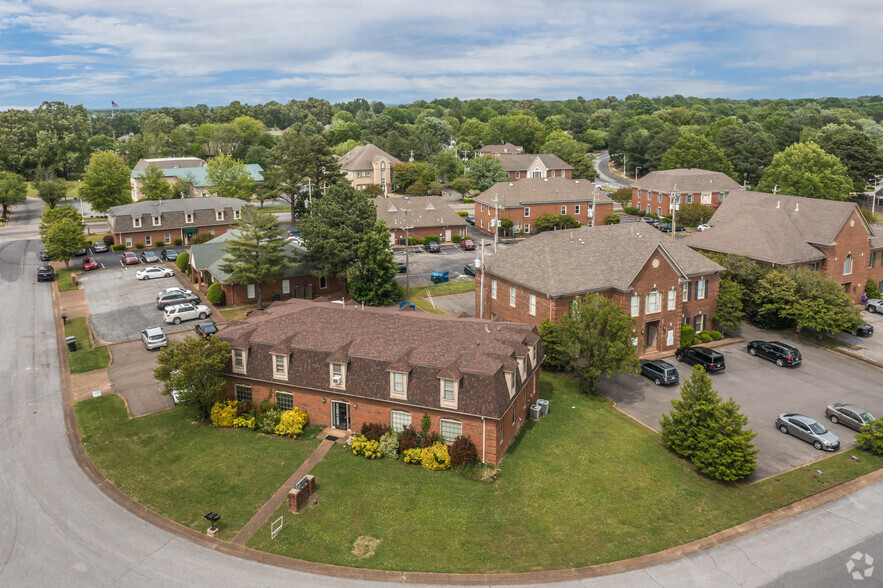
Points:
x=276, y=297
x=401, y=240
x=544, y=406
x=71, y=343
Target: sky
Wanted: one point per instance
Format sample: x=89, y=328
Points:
x=178, y=53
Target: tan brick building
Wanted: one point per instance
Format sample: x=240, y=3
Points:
x=155, y=222
x=349, y=366
x=525, y=201
x=779, y=230
x=422, y=215
x=658, y=280
x=655, y=191
x=366, y=165
x=504, y=149
x=191, y=171
x=544, y=165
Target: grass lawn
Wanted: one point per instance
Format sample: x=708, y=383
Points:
x=235, y=313
x=183, y=468
x=419, y=293
x=63, y=277
x=85, y=358
x=274, y=207
x=585, y=485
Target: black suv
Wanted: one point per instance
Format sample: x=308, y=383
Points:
x=661, y=372
x=173, y=298
x=45, y=273
x=781, y=353
x=712, y=361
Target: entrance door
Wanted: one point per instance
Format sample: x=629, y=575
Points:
x=340, y=415
x=650, y=334
x=447, y=235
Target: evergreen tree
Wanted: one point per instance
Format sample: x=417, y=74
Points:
x=154, y=185
x=728, y=312
x=372, y=277
x=256, y=254
x=107, y=182
x=303, y=160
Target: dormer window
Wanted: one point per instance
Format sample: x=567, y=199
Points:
x=280, y=367
x=219, y=215
x=136, y=222
x=510, y=382
x=157, y=221
x=398, y=385
x=237, y=214
x=240, y=357
x=522, y=366
x=338, y=375
x=449, y=393
x=532, y=350
x=188, y=218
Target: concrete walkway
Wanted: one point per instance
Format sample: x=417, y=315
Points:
x=252, y=526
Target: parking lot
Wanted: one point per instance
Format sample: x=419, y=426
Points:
x=131, y=375
x=763, y=391
x=112, y=258
x=869, y=347
x=451, y=259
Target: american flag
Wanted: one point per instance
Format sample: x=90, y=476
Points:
x=114, y=104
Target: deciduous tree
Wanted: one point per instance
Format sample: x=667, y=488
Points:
x=486, y=171
x=193, y=367
x=13, y=190
x=106, y=182
x=229, y=178
x=696, y=151
x=154, y=185
x=855, y=149
x=50, y=192
x=804, y=169
x=372, y=277
x=303, y=159
x=64, y=237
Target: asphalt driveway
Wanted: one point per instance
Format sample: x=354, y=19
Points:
x=764, y=390
x=123, y=305
x=869, y=347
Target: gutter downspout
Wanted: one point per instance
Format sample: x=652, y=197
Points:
x=483, y=440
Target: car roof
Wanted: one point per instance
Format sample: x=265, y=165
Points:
x=43, y=268
x=178, y=305
x=799, y=417
x=848, y=407
x=151, y=331
x=658, y=363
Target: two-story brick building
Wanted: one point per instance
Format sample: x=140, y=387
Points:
x=504, y=149
x=154, y=222
x=525, y=201
x=544, y=165
x=779, y=230
x=656, y=191
x=367, y=165
x=191, y=171
x=347, y=366
x=421, y=215
x=658, y=280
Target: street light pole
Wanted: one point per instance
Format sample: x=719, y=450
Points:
x=674, y=209
x=637, y=167
x=496, y=220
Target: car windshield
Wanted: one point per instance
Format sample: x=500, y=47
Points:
x=817, y=428
x=867, y=417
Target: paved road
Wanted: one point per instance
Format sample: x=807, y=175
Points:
x=602, y=166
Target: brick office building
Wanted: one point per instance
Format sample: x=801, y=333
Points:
x=525, y=201
x=349, y=366
x=779, y=230
x=154, y=222
x=660, y=281
x=504, y=149
x=368, y=165
x=544, y=165
x=655, y=191
x=423, y=215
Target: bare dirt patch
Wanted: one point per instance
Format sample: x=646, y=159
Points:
x=364, y=546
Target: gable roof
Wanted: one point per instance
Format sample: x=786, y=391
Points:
x=422, y=212
x=593, y=259
x=175, y=205
x=504, y=149
x=198, y=176
x=524, y=161
x=169, y=163
x=687, y=180
x=775, y=228
x=209, y=256
x=363, y=157
x=541, y=190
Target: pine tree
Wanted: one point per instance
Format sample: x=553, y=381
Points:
x=372, y=278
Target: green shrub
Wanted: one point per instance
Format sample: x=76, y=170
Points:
x=108, y=240
x=870, y=437
x=611, y=219
x=119, y=247
x=215, y=294
x=467, y=200
x=247, y=422
x=463, y=212
x=463, y=185
x=139, y=245
x=266, y=422
x=183, y=261
x=456, y=238
x=224, y=413
x=366, y=447
x=415, y=241
x=463, y=451
x=704, y=337
x=414, y=455
x=408, y=440
x=200, y=238
x=178, y=242
x=431, y=238
x=436, y=457
x=374, y=431
x=389, y=445
x=871, y=289
x=715, y=335
x=687, y=335
x=425, y=425
x=291, y=423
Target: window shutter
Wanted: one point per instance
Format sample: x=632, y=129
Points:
x=706, y=288
x=696, y=294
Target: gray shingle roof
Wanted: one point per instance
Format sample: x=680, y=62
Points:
x=504, y=149
x=362, y=157
x=169, y=163
x=774, y=228
x=541, y=190
x=209, y=256
x=176, y=205
x=687, y=180
x=423, y=212
x=592, y=259
x=525, y=161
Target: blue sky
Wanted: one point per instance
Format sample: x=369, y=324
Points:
x=186, y=52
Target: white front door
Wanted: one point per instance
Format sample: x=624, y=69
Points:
x=447, y=235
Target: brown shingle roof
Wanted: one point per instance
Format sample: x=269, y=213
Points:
x=775, y=228
x=504, y=149
x=525, y=161
x=687, y=180
x=422, y=212
x=541, y=191
x=592, y=259
x=362, y=157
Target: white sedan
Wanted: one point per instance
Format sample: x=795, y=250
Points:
x=703, y=227
x=153, y=271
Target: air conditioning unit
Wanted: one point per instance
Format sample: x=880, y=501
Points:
x=337, y=380
x=535, y=412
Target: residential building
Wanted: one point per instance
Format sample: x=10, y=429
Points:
x=421, y=215
x=366, y=165
x=347, y=366
x=655, y=278
x=525, y=201
x=655, y=191
x=779, y=230
x=189, y=170
x=155, y=222
x=296, y=282
x=504, y=149
x=545, y=165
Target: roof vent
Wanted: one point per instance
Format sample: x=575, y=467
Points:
x=778, y=203
x=797, y=207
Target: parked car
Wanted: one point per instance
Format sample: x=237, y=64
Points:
x=153, y=271
x=44, y=256
x=864, y=330
x=470, y=218
x=185, y=312
x=206, y=329
x=781, y=353
x=401, y=266
x=874, y=305
x=168, y=255
x=661, y=372
x=154, y=338
x=45, y=273
x=89, y=263
x=432, y=247
x=703, y=227
x=711, y=360
x=129, y=258
x=149, y=257
x=810, y=430
x=664, y=227
x=99, y=247
x=849, y=415
x=469, y=270
x=171, y=289
x=438, y=277
x=176, y=297
x=80, y=252
x=467, y=245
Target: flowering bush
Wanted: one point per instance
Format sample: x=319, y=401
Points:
x=266, y=422
x=291, y=423
x=361, y=445
x=357, y=444
x=389, y=445
x=244, y=421
x=413, y=455
x=436, y=457
x=223, y=413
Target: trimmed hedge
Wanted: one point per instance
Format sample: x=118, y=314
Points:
x=456, y=238
x=119, y=247
x=215, y=294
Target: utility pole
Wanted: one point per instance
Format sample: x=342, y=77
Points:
x=674, y=208
x=496, y=220
x=594, y=195
x=407, y=251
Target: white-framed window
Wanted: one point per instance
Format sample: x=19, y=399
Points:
x=168, y=239
x=399, y=420
x=129, y=242
x=148, y=241
x=532, y=304
x=847, y=265
x=576, y=209
x=493, y=289
x=398, y=385
x=237, y=214
x=136, y=222
x=654, y=301
x=659, y=210
x=526, y=211
x=450, y=429
x=188, y=218
x=688, y=199
x=686, y=295
x=286, y=287
x=448, y=391
x=240, y=357
x=700, y=289
x=481, y=223
x=672, y=299
x=219, y=215
x=638, y=205
x=563, y=209
x=337, y=373
x=510, y=383
x=243, y=392
x=250, y=292
x=323, y=283
x=522, y=367
x=512, y=296
x=721, y=196
x=280, y=367
x=636, y=305
x=705, y=198
x=157, y=221
x=284, y=400
x=532, y=349
x=640, y=193
x=537, y=173
x=659, y=196
x=527, y=228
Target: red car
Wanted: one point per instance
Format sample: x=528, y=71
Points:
x=129, y=258
x=89, y=263
x=467, y=245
